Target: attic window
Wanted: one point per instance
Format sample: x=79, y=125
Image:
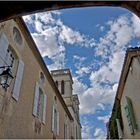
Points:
x=17, y=36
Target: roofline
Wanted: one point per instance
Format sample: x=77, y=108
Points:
x=36, y=52
x=130, y=54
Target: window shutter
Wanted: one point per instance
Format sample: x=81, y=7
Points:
x=57, y=123
x=18, y=80
x=3, y=48
x=53, y=119
x=119, y=128
x=132, y=116
x=44, y=109
x=127, y=112
x=59, y=86
x=36, y=97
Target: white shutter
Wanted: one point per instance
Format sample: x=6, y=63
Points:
x=18, y=80
x=44, y=109
x=36, y=97
x=119, y=129
x=53, y=119
x=59, y=87
x=3, y=48
x=57, y=123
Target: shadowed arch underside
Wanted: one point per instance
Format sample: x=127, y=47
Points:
x=12, y=9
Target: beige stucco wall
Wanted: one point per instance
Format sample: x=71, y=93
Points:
x=132, y=90
x=18, y=121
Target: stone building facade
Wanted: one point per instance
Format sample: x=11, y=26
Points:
x=125, y=118
x=63, y=80
x=32, y=106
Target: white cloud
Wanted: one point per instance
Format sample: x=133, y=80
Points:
x=80, y=65
x=96, y=98
x=104, y=81
x=78, y=87
x=102, y=28
x=51, y=35
x=83, y=70
x=136, y=25
x=70, y=36
x=105, y=119
x=81, y=59
x=87, y=128
x=99, y=134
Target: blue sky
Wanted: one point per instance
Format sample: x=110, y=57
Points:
x=91, y=42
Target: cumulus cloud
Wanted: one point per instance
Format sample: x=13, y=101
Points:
x=111, y=47
x=51, y=35
x=78, y=86
x=105, y=119
x=87, y=128
x=79, y=63
x=99, y=134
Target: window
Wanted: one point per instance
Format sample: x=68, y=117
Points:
x=65, y=131
x=8, y=57
x=55, y=119
x=42, y=77
x=39, y=109
x=17, y=36
x=40, y=105
x=62, y=87
x=56, y=83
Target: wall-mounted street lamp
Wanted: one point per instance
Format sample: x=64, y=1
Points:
x=6, y=77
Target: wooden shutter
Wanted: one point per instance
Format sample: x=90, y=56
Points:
x=3, y=48
x=57, y=123
x=44, y=109
x=36, y=98
x=119, y=129
x=127, y=113
x=53, y=118
x=18, y=80
x=130, y=107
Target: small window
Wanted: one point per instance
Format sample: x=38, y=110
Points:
x=42, y=77
x=17, y=36
x=40, y=99
x=62, y=87
x=55, y=121
x=40, y=105
x=56, y=83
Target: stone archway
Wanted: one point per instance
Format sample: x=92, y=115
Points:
x=11, y=9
